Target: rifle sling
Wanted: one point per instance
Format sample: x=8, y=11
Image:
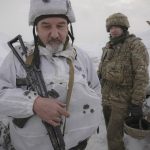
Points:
x=20, y=122
x=70, y=84
x=70, y=87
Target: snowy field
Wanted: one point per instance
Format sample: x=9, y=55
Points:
x=97, y=141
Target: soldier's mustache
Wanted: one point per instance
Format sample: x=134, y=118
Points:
x=54, y=41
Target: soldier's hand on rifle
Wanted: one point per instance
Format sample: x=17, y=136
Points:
x=50, y=110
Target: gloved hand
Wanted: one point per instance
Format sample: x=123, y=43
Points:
x=135, y=111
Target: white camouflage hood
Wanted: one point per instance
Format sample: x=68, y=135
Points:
x=50, y=7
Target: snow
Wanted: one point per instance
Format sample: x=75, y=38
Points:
x=98, y=140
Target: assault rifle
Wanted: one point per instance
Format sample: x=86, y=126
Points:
x=35, y=79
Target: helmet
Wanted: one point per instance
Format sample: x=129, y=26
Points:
x=117, y=19
x=50, y=7
x=136, y=128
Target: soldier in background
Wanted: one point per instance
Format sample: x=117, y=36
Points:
x=123, y=73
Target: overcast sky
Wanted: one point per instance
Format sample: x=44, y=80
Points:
x=89, y=29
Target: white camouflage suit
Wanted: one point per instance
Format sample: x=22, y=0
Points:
x=84, y=107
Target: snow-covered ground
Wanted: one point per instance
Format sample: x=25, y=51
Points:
x=97, y=141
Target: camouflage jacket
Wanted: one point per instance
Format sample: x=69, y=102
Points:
x=124, y=66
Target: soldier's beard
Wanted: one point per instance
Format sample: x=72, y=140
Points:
x=54, y=46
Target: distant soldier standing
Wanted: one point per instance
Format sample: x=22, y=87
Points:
x=123, y=73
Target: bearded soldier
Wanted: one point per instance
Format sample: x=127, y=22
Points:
x=73, y=89
x=123, y=73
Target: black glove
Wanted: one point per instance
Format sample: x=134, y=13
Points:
x=135, y=111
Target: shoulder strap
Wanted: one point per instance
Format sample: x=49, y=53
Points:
x=71, y=81
x=70, y=87
x=29, y=59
